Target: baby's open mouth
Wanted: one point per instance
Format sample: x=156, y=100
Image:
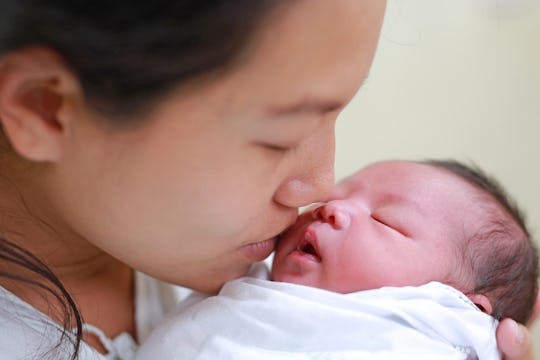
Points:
x=308, y=246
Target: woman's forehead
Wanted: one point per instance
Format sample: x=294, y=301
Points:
x=302, y=54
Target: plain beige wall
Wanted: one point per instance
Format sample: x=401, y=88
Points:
x=459, y=79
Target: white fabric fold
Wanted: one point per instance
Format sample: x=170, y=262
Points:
x=259, y=319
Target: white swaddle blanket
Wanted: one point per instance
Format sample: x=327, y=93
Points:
x=259, y=319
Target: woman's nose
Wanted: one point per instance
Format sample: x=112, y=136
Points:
x=311, y=177
x=301, y=192
x=333, y=214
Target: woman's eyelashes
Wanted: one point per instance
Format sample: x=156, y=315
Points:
x=277, y=148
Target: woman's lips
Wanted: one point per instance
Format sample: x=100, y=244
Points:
x=258, y=251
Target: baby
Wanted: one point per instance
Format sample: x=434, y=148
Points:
x=406, y=261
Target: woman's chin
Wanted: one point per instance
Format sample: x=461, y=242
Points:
x=214, y=281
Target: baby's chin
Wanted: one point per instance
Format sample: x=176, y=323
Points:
x=278, y=273
x=294, y=279
x=288, y=272
x=281, y=277
x=275, y=273
x=283, y=247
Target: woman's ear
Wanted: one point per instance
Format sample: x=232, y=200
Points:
x=35, y=84
x=481, y=302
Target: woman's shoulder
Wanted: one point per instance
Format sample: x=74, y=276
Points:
x=26, y=332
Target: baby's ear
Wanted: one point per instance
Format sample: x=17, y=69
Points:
x=481, y=302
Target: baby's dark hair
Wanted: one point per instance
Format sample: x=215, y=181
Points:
x=500, y=255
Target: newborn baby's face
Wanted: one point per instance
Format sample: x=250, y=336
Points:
x=391, y=224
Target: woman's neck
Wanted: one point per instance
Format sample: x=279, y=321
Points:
x=101, y=286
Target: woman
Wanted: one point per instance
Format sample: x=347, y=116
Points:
x=171, y=137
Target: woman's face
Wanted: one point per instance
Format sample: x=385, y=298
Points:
x=200, y=190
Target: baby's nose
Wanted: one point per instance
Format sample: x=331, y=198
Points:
x=333, y=214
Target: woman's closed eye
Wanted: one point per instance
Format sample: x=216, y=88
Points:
x=277, y=148
x=286, y=133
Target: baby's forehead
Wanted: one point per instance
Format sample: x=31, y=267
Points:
x=386, y=174
x=428, y=185
x=348, y=185
x=390, y=173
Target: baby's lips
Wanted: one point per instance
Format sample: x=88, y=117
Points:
x=309, y=242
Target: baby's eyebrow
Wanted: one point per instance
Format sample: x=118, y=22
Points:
x=393, y=199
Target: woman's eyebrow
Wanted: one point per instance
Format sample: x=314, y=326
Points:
x=306, y=105
x=310, y=104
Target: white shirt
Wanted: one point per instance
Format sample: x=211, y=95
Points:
x=258, y=319
x=26, y=333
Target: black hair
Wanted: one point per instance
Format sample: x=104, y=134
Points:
x=500, y=255
x=127, y=55
x=28, y=263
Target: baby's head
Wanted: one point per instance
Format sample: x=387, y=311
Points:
x=400, y=223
